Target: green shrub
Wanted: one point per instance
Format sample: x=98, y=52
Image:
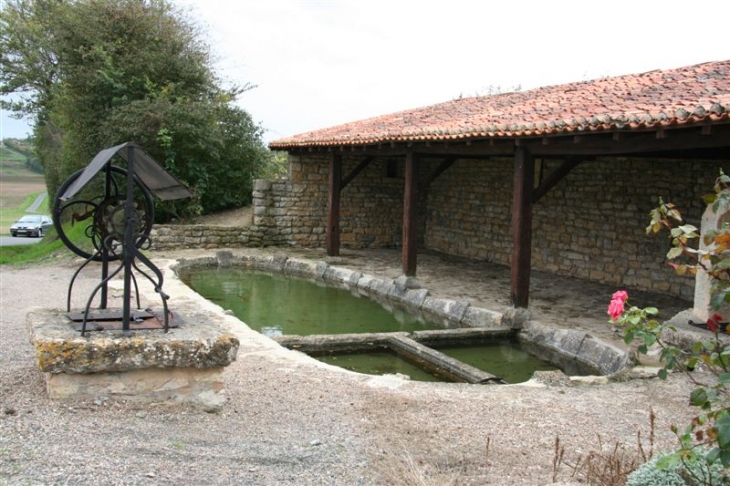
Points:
x=684, y=473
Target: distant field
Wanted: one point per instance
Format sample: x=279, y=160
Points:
x=18, y=187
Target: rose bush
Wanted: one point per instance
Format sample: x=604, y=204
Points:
x=710, y=428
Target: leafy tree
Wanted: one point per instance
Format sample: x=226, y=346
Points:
x=215, y=148
x=96, y=73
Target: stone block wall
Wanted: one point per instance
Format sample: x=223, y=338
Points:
x=469, y=210
x=591, y=225
x=295, y=211
x=171, y=236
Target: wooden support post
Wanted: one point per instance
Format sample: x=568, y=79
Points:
x=410, y=216
x=333, y=206
x=524, y=180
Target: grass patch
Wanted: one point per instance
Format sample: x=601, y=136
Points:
x=10, y=155
x=19, y=187
x=48, y=248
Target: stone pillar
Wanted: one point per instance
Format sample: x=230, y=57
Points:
x=703, y=282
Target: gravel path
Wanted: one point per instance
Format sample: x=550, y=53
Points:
x=293, y=420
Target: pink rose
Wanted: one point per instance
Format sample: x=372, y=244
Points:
x=621, y=295
x=616, y=308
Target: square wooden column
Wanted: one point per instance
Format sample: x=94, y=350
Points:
x=410, y=216
x=524, y=180
x=332, y=233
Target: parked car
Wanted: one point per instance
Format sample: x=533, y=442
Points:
x=31, y=225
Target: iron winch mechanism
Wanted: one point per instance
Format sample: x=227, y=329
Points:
x=115, y=211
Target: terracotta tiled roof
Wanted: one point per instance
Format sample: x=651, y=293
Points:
x=690, y=94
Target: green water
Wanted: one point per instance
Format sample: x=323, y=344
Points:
x=378, y=363
x=504, y=359
x=276, y=304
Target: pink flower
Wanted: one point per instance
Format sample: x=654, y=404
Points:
x=621, y=295
x=616, y=307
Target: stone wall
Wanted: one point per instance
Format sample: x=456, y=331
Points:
x=294, y=211
x=591, y=225
x=172, y=236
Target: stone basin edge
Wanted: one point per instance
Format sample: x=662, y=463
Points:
x=568, y=348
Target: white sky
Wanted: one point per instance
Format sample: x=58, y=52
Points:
x=318, y=63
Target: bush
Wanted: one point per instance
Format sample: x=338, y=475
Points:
x=689, y=472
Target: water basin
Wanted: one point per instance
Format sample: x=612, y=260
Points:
x=281, y=306
x=278, y=305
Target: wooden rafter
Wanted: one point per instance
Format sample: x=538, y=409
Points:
x=442, y=167
x=360, y=167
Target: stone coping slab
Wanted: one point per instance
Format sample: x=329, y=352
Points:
x=203, y=342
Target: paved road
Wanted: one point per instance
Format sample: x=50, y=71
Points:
x=7, y=240
x=33, y=208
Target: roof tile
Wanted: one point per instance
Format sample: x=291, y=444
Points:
x=657, y=98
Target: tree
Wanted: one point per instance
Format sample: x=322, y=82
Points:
x=95, y=73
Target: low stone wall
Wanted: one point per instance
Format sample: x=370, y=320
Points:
x=278, y=220
x=181, y=236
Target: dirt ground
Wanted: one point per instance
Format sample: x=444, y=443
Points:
x=229, y=217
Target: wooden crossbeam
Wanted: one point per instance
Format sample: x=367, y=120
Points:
x=554, y=177
x=445, y=164
x=360, y=167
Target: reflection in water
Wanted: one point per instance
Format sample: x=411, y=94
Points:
x=271, y=331
x=276, y=304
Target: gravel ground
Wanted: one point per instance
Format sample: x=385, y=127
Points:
x=292, y=420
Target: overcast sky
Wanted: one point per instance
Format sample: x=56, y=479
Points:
x=318, y=63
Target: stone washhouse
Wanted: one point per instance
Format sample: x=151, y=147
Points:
x=559, y=178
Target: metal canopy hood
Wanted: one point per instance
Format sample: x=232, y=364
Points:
x=159, y=182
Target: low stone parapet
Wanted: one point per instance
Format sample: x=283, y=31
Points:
x=184, y=365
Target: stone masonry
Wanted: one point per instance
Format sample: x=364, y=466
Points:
x=591, y=225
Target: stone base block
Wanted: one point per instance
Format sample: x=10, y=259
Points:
x=184, y=365
x=188, y=386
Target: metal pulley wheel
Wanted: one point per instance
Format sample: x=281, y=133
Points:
x=93, y=221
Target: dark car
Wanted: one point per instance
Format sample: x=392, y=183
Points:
x=31, y=225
